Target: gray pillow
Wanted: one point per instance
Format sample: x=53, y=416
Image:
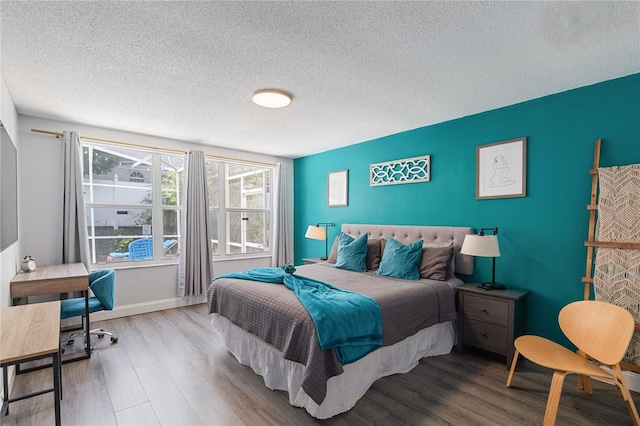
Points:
x=435, y=262
x=374, y=254
x=333, y=256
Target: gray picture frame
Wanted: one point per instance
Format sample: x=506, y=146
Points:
x=338, y=188
x=501, y=169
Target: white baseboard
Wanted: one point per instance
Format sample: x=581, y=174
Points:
x=146, y=307
x=633, y=380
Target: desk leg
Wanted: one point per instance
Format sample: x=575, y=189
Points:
x=57, y=388
x=87, y=327
x=5, y=394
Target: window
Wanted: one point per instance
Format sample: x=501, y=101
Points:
x=239, y=208
x=121, y=213
x=136, y=177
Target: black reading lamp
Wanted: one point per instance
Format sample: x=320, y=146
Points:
x=317, y=232
x=484, y=246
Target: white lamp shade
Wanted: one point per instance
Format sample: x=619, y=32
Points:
x=316, y=233
x=481, y=245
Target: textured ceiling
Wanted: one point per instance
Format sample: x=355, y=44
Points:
x=357, y=70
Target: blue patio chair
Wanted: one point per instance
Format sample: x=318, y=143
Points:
x=143, y=249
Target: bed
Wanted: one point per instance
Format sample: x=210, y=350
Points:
x=267, y=328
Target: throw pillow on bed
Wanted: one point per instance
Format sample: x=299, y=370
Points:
x=333, y=256
x=400, y=261
x=374, y=252
x=352, y=253
x=434, y=262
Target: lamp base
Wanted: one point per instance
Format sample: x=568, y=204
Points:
x=491, y=286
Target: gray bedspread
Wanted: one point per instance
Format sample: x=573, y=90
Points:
x=273, y=313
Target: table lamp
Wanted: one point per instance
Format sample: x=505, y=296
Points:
x=317, y=232
x=484, y=246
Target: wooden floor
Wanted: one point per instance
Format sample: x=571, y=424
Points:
x=171, y=368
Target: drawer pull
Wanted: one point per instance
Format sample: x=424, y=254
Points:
x=484, y=309
x=484, y=334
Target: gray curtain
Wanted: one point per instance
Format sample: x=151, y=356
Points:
x=75, y=241
x=281, y=252
x=195, y=268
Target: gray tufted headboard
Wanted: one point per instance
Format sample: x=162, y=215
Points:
x=429, y=234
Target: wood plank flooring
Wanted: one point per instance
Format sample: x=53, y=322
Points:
x=171, y=368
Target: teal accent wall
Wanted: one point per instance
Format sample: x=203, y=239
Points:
x=541, y=235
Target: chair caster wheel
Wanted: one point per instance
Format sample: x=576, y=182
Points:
x=62, y=351
x=114, y=340
x=70, y=342
x=100, y=336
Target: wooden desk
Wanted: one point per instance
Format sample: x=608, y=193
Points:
x=54, y=279
x=28, y=333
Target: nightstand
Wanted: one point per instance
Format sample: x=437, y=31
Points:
x=311, y=260
x=490, y=320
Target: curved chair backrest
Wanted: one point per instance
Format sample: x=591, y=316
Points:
x=141, y=249
x=103, y=286
x=601, y=330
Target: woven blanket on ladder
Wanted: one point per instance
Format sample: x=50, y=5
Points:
x=617, y=271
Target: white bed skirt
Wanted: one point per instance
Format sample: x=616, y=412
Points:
x=345, y=390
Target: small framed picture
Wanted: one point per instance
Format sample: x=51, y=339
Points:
x=338, y=188
x=501, y=169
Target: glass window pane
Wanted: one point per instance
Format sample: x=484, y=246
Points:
x=248, y=232
x=172, y=179
x=247, y=186
x=215, y=233
x=255, y=201
x=171, y=237
x=212, y=182
x=111, y=230
x=113, y=175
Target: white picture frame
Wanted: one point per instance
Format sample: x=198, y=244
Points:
x=338, y=188
x=501, y=169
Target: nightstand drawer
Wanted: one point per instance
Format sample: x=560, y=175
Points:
x=488, y=310
x=490, y=320
x=487, y=336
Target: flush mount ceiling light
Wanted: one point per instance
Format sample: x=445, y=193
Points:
x=271, y=98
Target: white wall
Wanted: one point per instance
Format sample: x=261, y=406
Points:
x=138, y=289
x=10, y=257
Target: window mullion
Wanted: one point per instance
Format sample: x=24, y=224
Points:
x=156, y=210
x=223, y=201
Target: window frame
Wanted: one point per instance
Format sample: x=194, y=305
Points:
x=157, y=208
x=223, y=209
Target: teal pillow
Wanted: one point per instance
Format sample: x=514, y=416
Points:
x=352, y=253
x=400, y=261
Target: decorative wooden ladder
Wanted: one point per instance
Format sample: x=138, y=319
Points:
x=592, y=244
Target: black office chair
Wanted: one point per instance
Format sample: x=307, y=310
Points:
x=102, y=284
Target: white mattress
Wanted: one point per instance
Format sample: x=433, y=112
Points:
x=345, y=390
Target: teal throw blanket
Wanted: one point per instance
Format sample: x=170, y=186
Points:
x=347, y=322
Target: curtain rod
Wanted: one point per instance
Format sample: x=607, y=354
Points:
x=179, y=151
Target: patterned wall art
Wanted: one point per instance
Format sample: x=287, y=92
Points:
x=406, y=170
